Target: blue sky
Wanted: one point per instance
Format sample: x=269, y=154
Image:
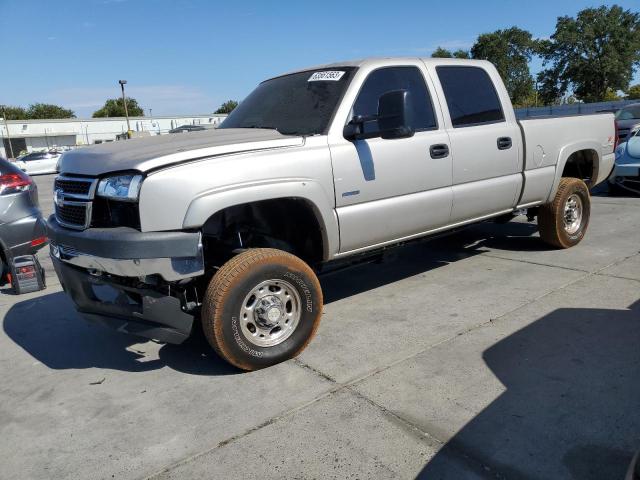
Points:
x=188, y=56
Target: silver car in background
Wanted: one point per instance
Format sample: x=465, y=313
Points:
x=625, y=177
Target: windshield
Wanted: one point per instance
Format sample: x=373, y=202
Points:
x=629, y=113
x=297, y=104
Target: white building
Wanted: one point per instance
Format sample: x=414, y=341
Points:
x=30, y=135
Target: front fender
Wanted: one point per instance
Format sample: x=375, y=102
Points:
x=208, y=203
x=565, y=153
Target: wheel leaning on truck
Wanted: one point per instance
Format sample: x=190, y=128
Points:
x=564, y=221
x=261, y=307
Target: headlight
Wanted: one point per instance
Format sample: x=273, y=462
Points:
x=121, y=187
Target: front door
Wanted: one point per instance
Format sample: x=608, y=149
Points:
x=391, y=189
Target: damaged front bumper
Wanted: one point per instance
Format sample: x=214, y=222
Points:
x=122, y=277
x=126, y=252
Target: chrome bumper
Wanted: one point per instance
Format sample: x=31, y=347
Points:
x=126, y=252
x=170, y=269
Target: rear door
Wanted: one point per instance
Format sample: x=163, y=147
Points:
x=485, y=141
x=387, y=189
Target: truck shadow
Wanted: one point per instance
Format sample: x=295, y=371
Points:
x=570, y=409
x=421, y=257
x=50, y=330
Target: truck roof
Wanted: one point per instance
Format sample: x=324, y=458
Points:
x=385, y=61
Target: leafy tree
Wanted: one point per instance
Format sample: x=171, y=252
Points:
x=550, y=91
x=47, y=110
x=464, y=54
x=611, y=95
x=634, y=92
x=510, y=51
x=227, y=107
x=444, y=53
x=114, y=107
x=441, y=53
x=13, y=113
x=593, y=53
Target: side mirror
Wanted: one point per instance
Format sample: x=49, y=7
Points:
x=394, y=119
x=395, y=116
x=353, y=130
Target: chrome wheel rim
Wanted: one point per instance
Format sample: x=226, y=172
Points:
x=573, y=214
x=270, y=313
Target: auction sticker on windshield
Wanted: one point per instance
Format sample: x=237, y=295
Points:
x=332, y=76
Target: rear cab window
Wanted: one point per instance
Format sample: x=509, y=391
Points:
x=471, y=96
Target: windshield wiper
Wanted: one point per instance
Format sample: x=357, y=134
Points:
x=264, y=127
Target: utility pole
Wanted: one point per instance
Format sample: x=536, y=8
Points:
x=6, y=125
x=124, y=102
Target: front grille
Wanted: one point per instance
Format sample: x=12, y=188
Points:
x=73, y=201
x=73, y=215
x=74, y=187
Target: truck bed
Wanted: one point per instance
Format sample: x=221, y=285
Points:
x=547, y=140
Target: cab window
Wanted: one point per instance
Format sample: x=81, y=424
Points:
x=389, y=79
x=471, y=96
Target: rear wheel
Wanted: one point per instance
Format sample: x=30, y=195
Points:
x=564, y=221
x=262, y=307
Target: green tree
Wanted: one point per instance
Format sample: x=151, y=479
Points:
x=634, y=92
x=550, y=90
x=510, y=51
x=13, y=113
x=47, y=110
x=444, y=53
x=593, y=53
x=441, y=53
x=114, y=107
x=227, y=107
x=611, y=95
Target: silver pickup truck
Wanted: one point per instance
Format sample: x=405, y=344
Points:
x=315, y=168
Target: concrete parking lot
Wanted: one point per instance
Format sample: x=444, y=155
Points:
x=479, y=355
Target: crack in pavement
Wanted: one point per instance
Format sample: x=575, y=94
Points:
x=530, y=262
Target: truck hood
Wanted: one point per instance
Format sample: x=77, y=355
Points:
x=150, y=153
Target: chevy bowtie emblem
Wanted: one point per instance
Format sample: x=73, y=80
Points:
x=58, y=198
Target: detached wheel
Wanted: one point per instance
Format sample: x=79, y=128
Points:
x=564, y=221
x=261, y=308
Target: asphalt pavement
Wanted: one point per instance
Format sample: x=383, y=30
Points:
x=479, y=355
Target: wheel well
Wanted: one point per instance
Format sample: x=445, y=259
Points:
x=288, y=224
x=582, y=164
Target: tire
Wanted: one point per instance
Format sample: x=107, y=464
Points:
x=562, y=231
x=261, y=308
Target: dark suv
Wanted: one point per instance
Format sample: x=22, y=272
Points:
x=22, y=228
